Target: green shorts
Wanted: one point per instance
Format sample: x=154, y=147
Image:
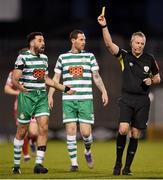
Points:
x=78, y=111
x=33, y=103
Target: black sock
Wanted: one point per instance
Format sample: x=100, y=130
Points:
x=41, y=148
x=132, y=147
x=120, y=145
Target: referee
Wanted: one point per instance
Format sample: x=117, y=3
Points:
x=139, y=72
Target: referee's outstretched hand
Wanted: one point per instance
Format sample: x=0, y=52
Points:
x=101, y=20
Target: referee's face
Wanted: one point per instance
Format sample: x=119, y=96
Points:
x=137, y=45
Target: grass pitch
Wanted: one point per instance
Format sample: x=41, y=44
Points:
x=148, y=162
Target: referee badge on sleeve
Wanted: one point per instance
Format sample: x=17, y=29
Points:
x=146, y=68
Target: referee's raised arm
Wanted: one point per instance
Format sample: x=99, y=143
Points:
x=111, y=47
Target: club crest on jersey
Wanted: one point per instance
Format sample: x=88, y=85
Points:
x=84, y=59
x=22, y=116
x=45, y=63
x=146, y=68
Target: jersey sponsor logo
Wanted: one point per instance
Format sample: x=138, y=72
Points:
x=76, y=71
x=39, y=74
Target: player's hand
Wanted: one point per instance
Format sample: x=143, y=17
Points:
x=71, y=91
x=101, y=20
x=23, y=89
x=105, y=99
x=50, y=102
x=68, y=90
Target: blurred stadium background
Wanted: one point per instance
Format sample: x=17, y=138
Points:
x=56, y=19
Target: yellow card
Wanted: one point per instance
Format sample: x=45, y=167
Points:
x=103, y=11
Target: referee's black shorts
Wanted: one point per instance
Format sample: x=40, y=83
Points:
x=134, y=109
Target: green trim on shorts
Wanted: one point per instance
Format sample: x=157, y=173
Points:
x=33, y=103
x=23, y=121
x=78, y=111
x=42, y=114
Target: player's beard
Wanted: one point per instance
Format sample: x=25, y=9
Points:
x=40, y=50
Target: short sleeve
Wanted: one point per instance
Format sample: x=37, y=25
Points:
x=19, y=63
x=94, y=64
x=58, y=66
x=121, y=52
x=154, y=66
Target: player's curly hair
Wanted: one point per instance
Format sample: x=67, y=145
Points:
x=32, y=35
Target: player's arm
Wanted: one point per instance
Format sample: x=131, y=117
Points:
x=17, y=73
x=100, y=85
x=53, y=83
x=57, y=78
x=9, y=90
x=111, y=47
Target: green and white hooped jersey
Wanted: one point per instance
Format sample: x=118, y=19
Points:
x=34, y=70
x=76, y=69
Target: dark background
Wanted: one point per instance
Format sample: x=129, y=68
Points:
x=56, y=19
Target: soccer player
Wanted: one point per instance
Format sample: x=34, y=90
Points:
x=139, y=73
x=31, y=70
x=33, y=129
x=77, y=68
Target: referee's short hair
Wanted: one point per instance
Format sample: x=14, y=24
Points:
x=138, y=33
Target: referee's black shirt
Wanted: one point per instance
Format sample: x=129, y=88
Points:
x=135, y=70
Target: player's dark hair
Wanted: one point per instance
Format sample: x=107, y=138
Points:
x=32, y=36
x=74, y=34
